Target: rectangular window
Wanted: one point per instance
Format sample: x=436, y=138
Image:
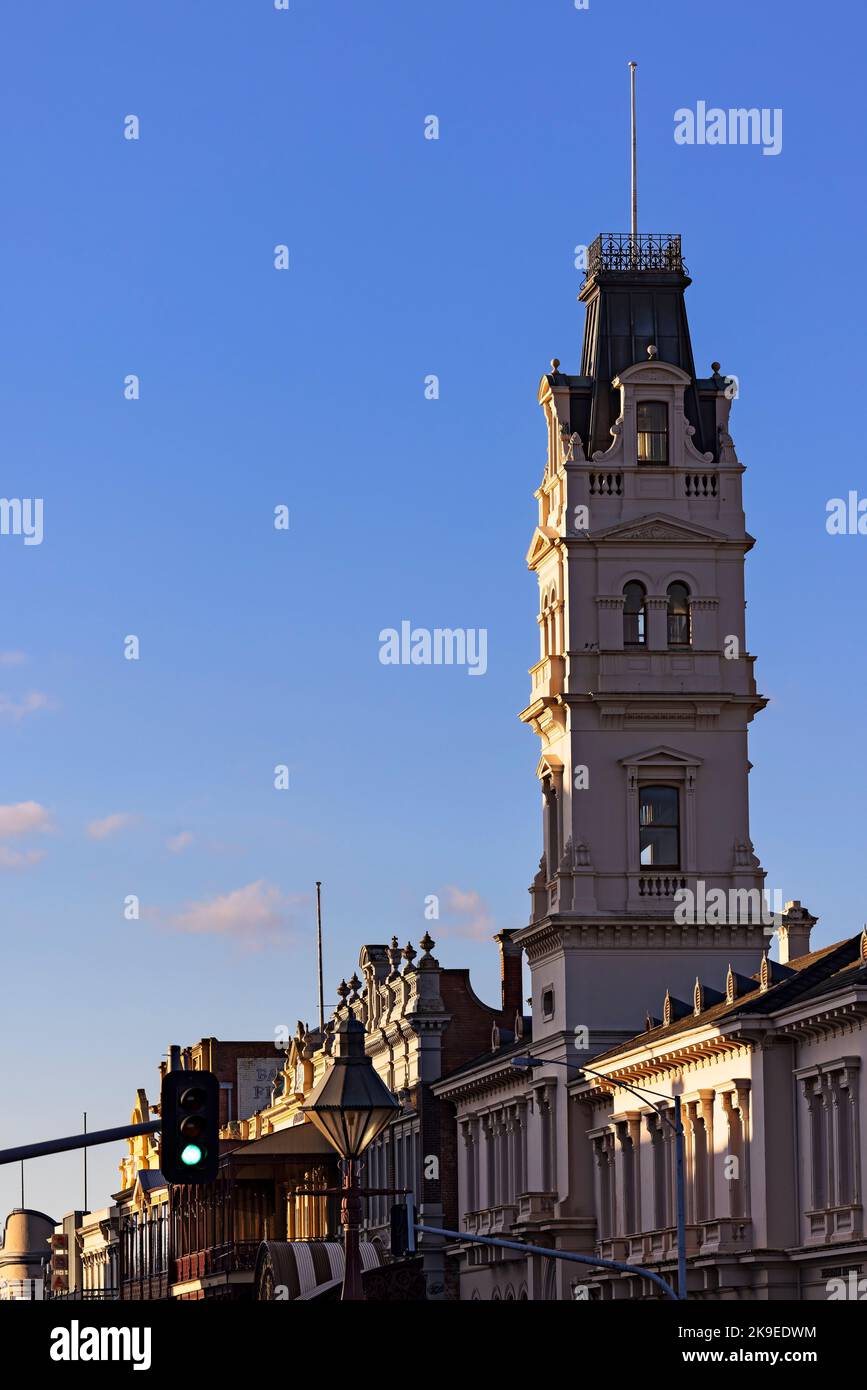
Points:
x=659, y=828
x=652, y=424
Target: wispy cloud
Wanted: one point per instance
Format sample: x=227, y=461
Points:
x=19, y=858
x=23, y=818
x=109, y=825
x=177, y=843
x=256, y=915
x=12, y=658
x=467, y=913
x=16, y=710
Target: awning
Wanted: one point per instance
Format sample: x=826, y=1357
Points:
x=298, y=1139
x=305, y=1269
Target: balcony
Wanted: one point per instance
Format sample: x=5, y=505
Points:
x=660, y=251
x=725, y=1234
x=535, y=1207
x=835, y=1223
x=612, y=493
x=548, y=678
x=649, y=1247
x=660, y=885
x=491, y=1221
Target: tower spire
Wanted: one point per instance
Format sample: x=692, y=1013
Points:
x=634, y=180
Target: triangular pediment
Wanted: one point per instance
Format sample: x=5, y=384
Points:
x=656, y=526
x=659, y=756
x=541, y=542
x=548, y=765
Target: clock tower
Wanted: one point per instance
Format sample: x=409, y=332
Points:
x=644, y=688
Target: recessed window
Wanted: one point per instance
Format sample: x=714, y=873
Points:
x=659, y=827
x=652, y=432
x=547, y=1003
x=678, y=615
x=634, y=601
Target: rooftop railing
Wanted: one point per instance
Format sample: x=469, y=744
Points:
x=646, y=251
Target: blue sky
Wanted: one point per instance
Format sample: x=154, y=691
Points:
x=306, y=387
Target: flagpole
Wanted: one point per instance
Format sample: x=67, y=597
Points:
x=634, y=180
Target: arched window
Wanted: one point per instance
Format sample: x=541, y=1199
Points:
x=552, y=826
x=634, y=598
x=678, y=615
x=659, y=827
x=652, y=421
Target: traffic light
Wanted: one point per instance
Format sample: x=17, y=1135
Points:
x=399, y=1230
x=403, y=1227
x=190, y=1118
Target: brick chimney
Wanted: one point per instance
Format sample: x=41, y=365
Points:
x=794, y=933
x=511, y=975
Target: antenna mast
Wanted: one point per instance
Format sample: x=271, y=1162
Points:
x=319, y=954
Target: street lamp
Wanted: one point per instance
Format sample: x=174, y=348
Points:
x=350, y=1106
x=676, y=1125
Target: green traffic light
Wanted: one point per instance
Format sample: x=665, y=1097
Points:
x=191, y=1154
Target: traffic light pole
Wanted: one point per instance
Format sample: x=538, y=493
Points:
x=568, y=1255
x=78, y=1141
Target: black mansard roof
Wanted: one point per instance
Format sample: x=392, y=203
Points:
x=634, y=293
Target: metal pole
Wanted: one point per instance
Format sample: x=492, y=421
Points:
x=681, y=1199
x=556, y=1255
x=84, y=1156
x=351, y=1214
x=22, y=1184
x=634, y=246
x=319, y=954
x=77, y=1141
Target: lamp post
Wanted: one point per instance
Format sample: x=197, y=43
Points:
x=350, y=1106
x=676, y=1125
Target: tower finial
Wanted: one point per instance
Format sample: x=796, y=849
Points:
x=632, y=67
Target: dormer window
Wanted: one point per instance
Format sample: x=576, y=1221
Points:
x=634, y=600
x=652, y=432
x=678, y=615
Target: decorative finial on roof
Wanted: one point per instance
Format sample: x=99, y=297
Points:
x=652, y=351
x=427, y=944
x=764, y=973
x=410, y=954
x=354, y=985
x=343, y=991
x=714, y=366
x=555, y=364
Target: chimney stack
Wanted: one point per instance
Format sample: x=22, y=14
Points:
x=511, y=975
x=794, y=934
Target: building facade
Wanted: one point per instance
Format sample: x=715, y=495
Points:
x=25, y=1253
x=279, y=1178
x=772, y=1078
x=648, y=934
